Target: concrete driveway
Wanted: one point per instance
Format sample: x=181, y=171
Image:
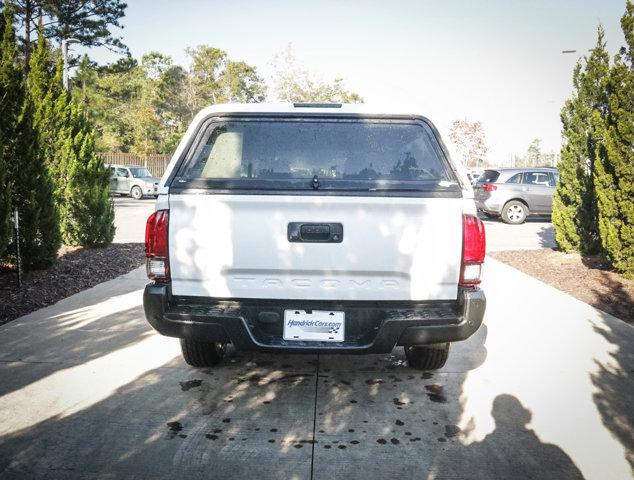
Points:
x=543, y=390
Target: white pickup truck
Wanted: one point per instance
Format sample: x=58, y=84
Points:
x=314, y=228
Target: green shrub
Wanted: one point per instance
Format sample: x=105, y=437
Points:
x=614, y=173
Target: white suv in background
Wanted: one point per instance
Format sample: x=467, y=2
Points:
x=314, y=228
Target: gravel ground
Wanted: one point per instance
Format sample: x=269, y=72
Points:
x=75, y=270
x=588, y=278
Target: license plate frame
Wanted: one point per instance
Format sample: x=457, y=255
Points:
x=314, y=325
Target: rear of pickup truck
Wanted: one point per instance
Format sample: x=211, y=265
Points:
x=305, y=228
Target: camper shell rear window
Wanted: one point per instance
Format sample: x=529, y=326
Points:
x=315, y=154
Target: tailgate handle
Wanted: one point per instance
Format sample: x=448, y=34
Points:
x=315, y=232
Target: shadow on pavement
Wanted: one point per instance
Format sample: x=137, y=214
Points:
x=73, y=332
x=612, y=400
x=76, y=270
x=510, y=451
x=71, y=347
x=250, y=418
x=547, y=237
x=514, y=400
x=377, y=418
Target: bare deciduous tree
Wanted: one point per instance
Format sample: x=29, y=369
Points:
x=469, y=139
x=293, y=83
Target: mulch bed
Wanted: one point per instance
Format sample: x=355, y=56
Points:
x=75, y=270
x=588, y=278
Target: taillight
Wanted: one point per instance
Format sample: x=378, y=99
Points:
x=156, y=254
x=487, y=187
x=473, y=250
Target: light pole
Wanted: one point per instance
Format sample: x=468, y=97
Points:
x=65, y=42
x=573, y=51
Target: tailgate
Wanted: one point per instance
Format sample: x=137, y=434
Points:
x=393, y=248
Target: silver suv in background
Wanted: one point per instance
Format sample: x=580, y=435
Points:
x=131, y=180
x=515, y=193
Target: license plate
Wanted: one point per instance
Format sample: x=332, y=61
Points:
x=315, y=325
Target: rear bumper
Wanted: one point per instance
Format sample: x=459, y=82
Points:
x=371, y=327
x=489, y=205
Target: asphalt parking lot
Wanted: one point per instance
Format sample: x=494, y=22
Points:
x=543, y=390
x=130, y=217
x=537, y=232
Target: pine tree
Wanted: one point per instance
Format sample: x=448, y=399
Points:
x=574, y=205
x=29, y=182
x=90, y=21
x=614, y=175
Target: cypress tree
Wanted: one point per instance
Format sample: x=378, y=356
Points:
x=568, y=194
x=80, y=179
x=8, y=120
x=574, y=205
x=44, y=89
x=614, y=174
x=29, y=182
x=88, y=217
x=40, y=236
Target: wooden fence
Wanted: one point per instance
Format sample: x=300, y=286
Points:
x=156, y=164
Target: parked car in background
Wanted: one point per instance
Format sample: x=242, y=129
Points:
x=515, y=193
x=473, y=177
x=131, y=180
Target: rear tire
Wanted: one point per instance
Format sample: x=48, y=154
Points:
x=427, y=357
x=514, y=212
x=202, y=354
x=136, y=193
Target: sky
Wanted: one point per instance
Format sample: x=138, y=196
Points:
x=497, y=61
